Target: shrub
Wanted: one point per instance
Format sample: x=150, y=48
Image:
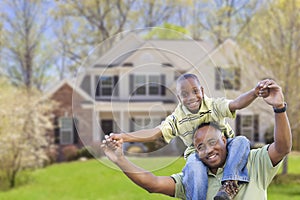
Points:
x=70, y=152
x=86, y=152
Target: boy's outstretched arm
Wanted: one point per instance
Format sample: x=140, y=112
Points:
x=145, y=135
x=242, y=101
x=147, y=180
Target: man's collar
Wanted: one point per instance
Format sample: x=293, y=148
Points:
x=219, y=171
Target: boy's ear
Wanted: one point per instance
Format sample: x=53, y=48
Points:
x=202, y=91
x=179, y=100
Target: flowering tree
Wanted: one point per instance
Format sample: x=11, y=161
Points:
x=24, y=123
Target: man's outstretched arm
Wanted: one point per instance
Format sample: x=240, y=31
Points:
x=282, y=144
x=147, y=180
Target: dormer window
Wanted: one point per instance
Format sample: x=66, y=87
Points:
x=228, y=78
x=147, y=85
x=128, y=64
x=167, y=65
x=106, y=86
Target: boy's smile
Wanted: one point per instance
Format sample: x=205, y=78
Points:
x=190, y=94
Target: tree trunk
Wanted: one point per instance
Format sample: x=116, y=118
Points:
x=285, y=166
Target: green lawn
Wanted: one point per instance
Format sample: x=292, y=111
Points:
x=99, y=180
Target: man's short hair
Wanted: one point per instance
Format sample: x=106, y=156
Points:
x=213, y=124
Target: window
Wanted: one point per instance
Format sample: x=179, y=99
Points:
x=106, y=86
x=66, y=134
x=139, y=123
x=107, y=126
x=227, y=78
x=151, y=85
x=248, y=125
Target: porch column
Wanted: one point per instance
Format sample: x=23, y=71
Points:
x=122, y=121
x=96, y=126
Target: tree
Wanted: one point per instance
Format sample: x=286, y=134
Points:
x=24, y=123
x=28, y=55
x=219, y=20
x=273, y=39
x=151, y=13
x=82, y=25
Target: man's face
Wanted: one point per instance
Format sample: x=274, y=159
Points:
x=211, y=147
x=190, y=94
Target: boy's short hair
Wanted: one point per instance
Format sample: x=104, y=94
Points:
x=187, y=76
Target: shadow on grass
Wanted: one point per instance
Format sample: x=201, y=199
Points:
x=287, y=184
x=287, y=179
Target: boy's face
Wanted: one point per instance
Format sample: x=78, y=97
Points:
x=190, y=94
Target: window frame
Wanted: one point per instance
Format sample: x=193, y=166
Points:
x=66, y=130
x=228, y=78
x=148, y=85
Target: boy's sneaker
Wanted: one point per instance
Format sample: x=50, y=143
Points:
x=228, y=191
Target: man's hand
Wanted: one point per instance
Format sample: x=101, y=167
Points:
x=261, y=89
x=112, y=148
x=275, y=97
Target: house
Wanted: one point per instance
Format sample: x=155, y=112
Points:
x=131, y=86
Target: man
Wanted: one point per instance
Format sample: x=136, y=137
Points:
x=262, y=163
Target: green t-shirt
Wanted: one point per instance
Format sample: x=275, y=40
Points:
x=261, y=172
x=183, y=123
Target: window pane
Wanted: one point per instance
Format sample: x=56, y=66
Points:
x=247, y=121
x=140, y=79
x=66, y=123
x=153, y=89
x=154, y=79
x=66, y=137
x=105, y=80
x=107, y=91
x=141, y=90
x=228, y=76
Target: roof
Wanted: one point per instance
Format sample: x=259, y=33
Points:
x=68, y=82
x=182, y=53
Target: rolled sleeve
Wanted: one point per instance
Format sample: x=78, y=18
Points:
x=179, y=188
x=221, y=108
x=262, y=164
x=167, y=128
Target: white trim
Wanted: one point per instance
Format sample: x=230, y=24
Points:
x=57, y=86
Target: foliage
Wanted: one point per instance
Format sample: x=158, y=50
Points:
x=86, y=152
x=167, y=31
x=272, y=38
x=24, y=124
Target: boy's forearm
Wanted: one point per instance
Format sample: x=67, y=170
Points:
x=243, y=100
x=146, y=135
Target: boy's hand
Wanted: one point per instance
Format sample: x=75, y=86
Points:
x=262, y=89
x=112, y=148
x=116, y=136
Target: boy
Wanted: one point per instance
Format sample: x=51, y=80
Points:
x=195, y=108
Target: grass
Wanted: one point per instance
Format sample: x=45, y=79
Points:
x=94, y=180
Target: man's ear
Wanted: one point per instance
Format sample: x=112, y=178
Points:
x=224, y=140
